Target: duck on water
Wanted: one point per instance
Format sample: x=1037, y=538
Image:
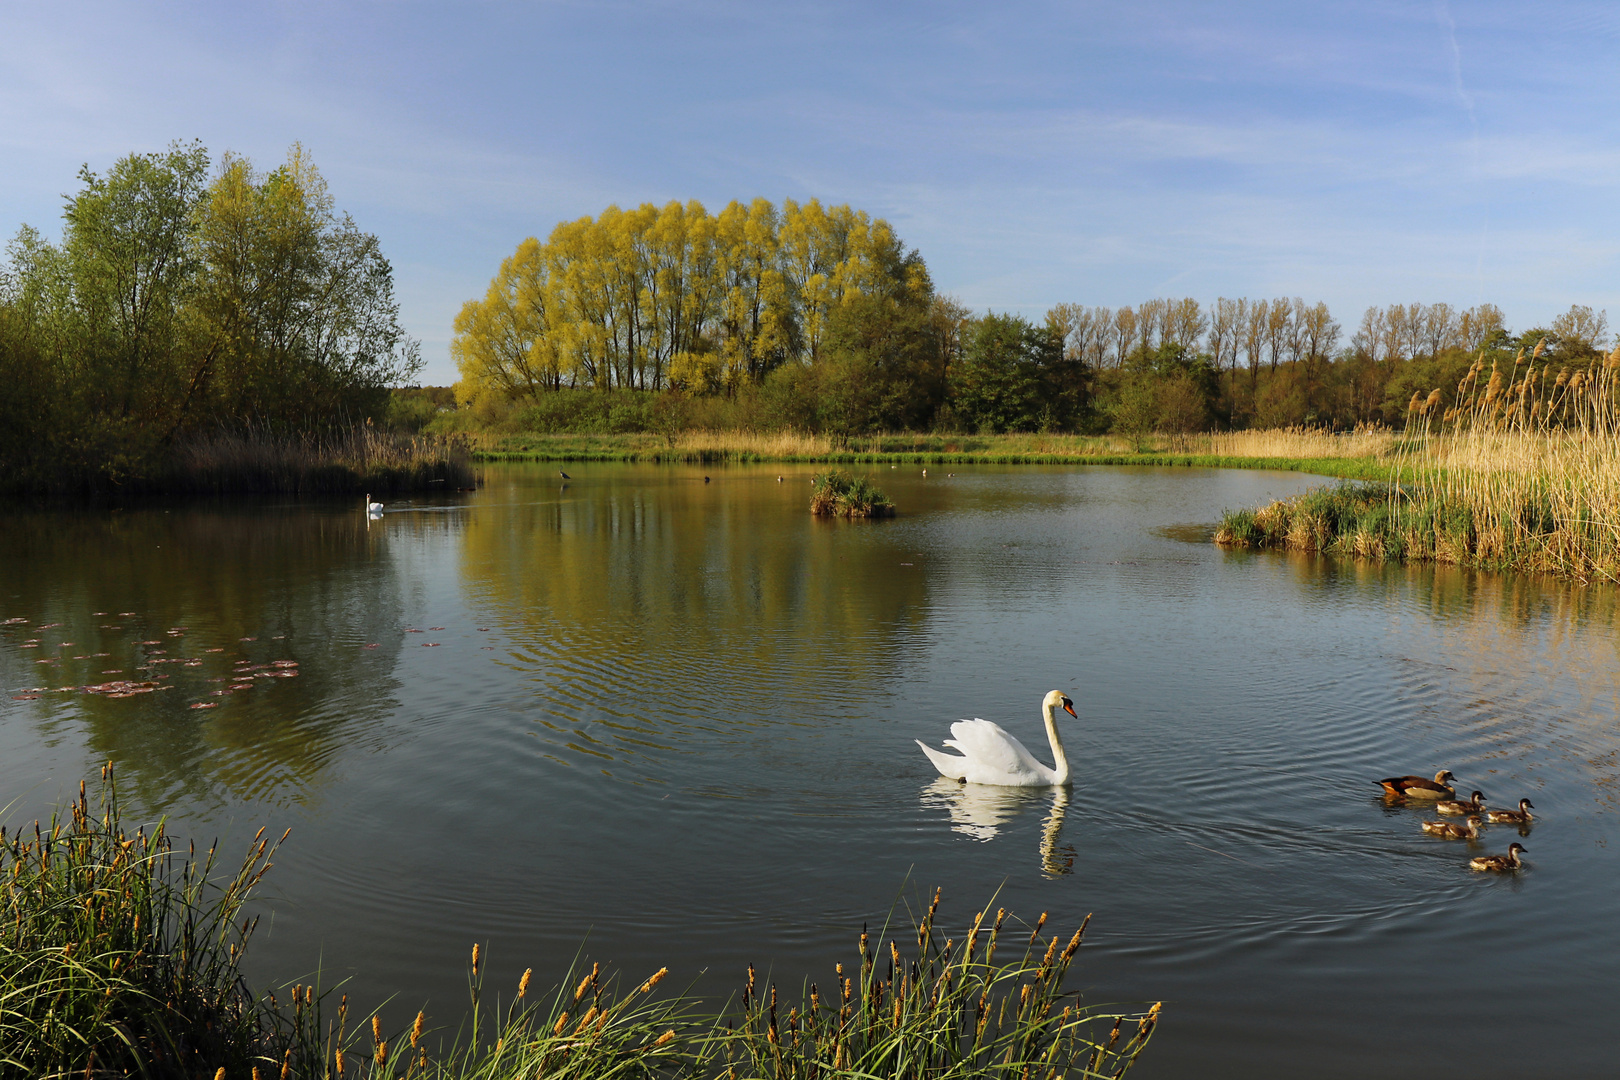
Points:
x=1418, y=787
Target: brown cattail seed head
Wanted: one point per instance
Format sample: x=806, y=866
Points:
x=523, y=983
x=665, y=1037
x=475, y=960
x=416, y=1028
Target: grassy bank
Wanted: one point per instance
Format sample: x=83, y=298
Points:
x=1362, y=455
x=120, y=957
x=1523, y=473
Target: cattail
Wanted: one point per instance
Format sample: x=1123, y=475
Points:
x=584, y=985
x=523, y=983
x=475, y=960
x=376, y=1029
x=337, y=1055
x=286, y=1065
x=221, y=1074
x=416, y=1028
x=657, y=977
x=562, y=1023
x=585, y=1021
x=664, y=1038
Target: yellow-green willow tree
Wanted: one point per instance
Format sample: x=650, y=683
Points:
x=673, y=297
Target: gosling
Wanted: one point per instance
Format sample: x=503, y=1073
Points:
x=1499, y=863
x=1450, y=830
x=1459, y=807
x=1521, y=816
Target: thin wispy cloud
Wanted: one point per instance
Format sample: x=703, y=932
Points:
x=1359, y=153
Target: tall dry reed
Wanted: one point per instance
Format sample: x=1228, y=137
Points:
x=1520, y=471
x=350, y=461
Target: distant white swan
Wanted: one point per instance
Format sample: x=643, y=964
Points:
x=371, y=507
x=991, y=756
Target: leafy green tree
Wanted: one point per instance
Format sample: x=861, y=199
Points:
x=1014, y=376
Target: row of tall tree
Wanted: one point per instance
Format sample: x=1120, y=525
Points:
x=187, y=295
x=672, y=296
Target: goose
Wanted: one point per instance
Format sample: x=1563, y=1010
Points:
x=1458, y=807
x=1521, y=816
x=991, y=756
x=1416, y=787
x=1450, y=830
x=1510, y=861
x=371, y=507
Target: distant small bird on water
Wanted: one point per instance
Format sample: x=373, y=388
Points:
x=564, y=475
x=778, y=479
x=705, y=479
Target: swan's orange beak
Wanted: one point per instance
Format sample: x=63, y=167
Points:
x=1068, y=707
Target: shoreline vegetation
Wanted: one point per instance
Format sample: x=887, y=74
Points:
x=204, y=326
x=1362, y=454
x=1521, y=473
x=119, y=956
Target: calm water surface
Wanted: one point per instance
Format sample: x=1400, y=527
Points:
x=673, y=721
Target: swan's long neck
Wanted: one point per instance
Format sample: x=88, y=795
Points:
x=1059, y=758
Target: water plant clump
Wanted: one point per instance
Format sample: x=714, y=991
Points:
x=838, y=494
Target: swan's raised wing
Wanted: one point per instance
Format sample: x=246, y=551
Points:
x=995, y=757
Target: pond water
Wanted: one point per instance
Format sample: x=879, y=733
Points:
x=672, y=722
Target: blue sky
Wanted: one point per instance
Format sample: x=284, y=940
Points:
x=1357, y=153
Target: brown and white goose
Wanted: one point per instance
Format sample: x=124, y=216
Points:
x=1418, y=787
x=1459, y=807
x=1510, y=861
x=1450, y=830
x=1521, y=816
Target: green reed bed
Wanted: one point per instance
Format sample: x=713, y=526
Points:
x=120, y=957
x=838, y=494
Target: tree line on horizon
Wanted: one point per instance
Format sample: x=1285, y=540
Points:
x=187, y=297
x=819, y=318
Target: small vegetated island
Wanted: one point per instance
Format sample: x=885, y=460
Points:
x=838, y=494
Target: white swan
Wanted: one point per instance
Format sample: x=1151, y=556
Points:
x=991, y=756
x=371, y=507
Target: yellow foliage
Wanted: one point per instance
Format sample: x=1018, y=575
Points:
x=673, y=296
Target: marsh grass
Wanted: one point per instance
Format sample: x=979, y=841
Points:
x=914, y=1005
x=350, y=461
x=838, y=494
x=1521, y=472
x=119, y=957
x=1360, y=454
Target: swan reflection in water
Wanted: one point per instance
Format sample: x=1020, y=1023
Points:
x=979, y=811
